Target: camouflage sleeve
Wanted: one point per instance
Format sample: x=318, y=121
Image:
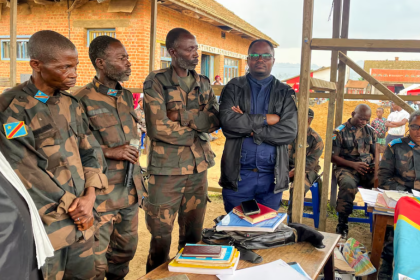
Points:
x=314, y=154
x=387, y=171
x=50, y=199
x=337, y=140
x=206, y=120
x=159, y=126
x=93, y=160
x=284, y=132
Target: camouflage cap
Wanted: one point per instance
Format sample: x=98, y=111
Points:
x=311, y=113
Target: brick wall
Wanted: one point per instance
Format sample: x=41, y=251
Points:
x=135, y=36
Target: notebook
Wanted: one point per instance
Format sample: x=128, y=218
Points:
x=232, y=222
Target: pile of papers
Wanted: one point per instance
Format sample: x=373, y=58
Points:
x=232, y=222
x=224, y=264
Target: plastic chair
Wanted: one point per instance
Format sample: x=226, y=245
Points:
x=314, y=204
x=369, y=216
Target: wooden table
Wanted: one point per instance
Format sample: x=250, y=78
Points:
x=379, y=228
x=311, y=259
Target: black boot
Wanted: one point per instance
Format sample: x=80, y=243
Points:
x=342, y=227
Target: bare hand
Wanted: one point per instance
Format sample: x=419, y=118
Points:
x=81, y=208
x=84, y=223
x=123, y=152
x=361, y=167
x=272, y=119
x=173, y=115
x=292, y=173
x=238, y=110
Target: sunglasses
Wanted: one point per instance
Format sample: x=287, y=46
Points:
x=414, y=126
x=264, y=56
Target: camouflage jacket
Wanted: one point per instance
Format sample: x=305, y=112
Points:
x=113, y=123
x=179, y=147
x=142, y=122
x=353, y=143
x=314, y=148
x=399, y=168
x=54, y=154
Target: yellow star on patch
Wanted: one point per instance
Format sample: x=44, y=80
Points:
x=9, y=127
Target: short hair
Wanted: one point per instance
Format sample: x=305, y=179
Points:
x=261, y=40
x=380, y=108
x=413, y=115
x=44, y=45
x=173, y=36
x=98, y=47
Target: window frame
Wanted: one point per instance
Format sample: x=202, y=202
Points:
x=89, y=30
x=164, y=58
x=19, y=38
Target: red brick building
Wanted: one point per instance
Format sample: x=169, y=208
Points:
x=222, y=36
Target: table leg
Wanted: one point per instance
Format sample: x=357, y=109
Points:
x=379, y=229
x=329, y=268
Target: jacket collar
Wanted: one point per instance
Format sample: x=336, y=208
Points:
x=99, y=87
x=33, y=91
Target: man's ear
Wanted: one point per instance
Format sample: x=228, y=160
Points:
x=100, y=63
x=35, y=64
x=172, y=52
x=352, y=114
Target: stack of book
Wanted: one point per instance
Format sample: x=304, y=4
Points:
x=205, y=259
x=386, y=202
x=266, y=221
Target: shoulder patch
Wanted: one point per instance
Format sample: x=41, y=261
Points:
x=340, y=127
x=395, y=141
x=334, y=137
x=411, y=144
x=147, y=84
x=15, y=129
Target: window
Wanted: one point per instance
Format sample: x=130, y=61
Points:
x=93, y=33
x=230, y=70
x=21, y=49
x=207, y=66
x=165, y=58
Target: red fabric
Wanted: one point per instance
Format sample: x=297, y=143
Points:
x=136, y=99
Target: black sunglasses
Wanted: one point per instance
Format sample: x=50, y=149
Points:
x=264, y=56
x=414, y=126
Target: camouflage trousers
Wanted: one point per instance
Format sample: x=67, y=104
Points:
x=309, y=180
x=185, y=195
x=116, y=242
x=348, y=181
x=76, y=261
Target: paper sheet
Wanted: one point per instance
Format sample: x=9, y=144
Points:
x=416, y=193
x=369, y=196
x=269, y=271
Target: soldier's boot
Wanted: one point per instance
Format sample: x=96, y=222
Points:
x=385, y=270
x=342, y=227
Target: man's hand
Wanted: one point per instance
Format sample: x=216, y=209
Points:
x=123, y=152
x=292, y=173
x=81, y=208
x=84, y=223
x=238, y=110
x=272, y=119
x=360, y=167
x=173, y=115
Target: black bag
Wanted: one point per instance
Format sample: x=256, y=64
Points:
x=247, y=241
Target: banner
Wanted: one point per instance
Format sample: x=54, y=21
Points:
x=396, y=75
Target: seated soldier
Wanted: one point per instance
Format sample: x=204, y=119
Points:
x=314, y=148
x=397, y=172
x=353, y=151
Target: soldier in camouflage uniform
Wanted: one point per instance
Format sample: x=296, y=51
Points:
x=353, y=151
x=314, y=148
x=397, y=171
x=114, y=123
x=181, y=109
x=46, y=139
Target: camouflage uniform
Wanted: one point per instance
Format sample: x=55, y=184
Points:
x=56, y=160
x=114, y=123
x=358, y=145
x=179, y=156
x=314, y=148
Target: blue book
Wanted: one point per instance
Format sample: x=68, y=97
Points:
x=232, y=222
x=225, y=256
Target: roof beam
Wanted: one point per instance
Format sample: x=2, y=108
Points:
x=367, y=45
x=317, y=84
x=364, y=96
x=77, y=4
x=394, y=98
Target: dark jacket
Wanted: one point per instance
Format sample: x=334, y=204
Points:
x=236, y=127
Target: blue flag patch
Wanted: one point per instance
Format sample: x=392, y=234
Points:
x=395, y=141
x=40, y=96
x=15, y=129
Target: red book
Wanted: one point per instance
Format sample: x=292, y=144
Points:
x=266, y=213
